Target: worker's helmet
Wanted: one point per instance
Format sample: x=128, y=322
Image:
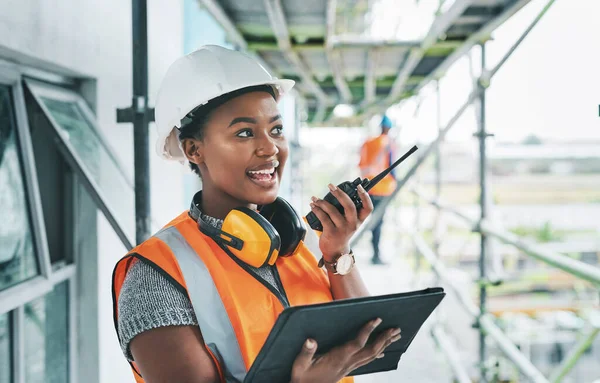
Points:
x=386, y=122
x=195, y=79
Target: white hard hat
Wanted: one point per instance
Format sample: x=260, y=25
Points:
x=195, y=79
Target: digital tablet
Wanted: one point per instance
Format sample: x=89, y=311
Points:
x=334, y=323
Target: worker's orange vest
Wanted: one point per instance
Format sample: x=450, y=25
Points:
x=375, y=158
x=235, y=311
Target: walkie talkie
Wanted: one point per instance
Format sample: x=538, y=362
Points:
x=350, y=188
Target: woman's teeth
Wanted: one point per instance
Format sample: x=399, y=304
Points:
x=266, y=171
x=266, y=175
x=266, y=178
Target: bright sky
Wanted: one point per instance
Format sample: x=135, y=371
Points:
x=549, y=87
x=401, y=19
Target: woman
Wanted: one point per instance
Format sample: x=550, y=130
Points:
x=191, y=303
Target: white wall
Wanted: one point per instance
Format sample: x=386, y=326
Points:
x=93, y=38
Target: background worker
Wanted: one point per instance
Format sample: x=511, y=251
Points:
x=192, y=304
x=376, y=154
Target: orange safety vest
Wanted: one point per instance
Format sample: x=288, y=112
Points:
x=375, y=158
x=235, y=310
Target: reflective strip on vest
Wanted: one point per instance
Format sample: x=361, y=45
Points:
x=214, y=324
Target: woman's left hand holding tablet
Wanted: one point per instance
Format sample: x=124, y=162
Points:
x=338, y=228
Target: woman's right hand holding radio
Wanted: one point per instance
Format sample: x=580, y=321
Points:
x=342, y=360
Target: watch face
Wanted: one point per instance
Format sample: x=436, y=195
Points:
x=344, y=264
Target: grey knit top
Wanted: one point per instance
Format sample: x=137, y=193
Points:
x=148, y=300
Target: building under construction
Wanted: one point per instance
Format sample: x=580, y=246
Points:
x=78, y=188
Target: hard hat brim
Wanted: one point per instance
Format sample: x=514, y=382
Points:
x=167, y=145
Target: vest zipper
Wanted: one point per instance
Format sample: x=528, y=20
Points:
x=281, y=297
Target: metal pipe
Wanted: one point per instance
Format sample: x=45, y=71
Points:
x=218, y=13
x=279, y=24
x=563, y=262
x=486, y=322
x=215, y=9
x=370, y=82
x=563, y=369
x=459, y=52
x=473, y=40
x=451, y=353
x=334, y=57
x=379, y=212
x=438, y=168
x=140, y=120
x=438, y=153
x=520, y=39
x=580, y=269
x=438, y=184
x=482, y=135
x=439, y=27
x=511, y=351
x=417, y=227
x=349, y=42
x=441, y=206
x=441, y=271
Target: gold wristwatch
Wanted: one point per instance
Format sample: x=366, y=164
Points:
x=341, y=266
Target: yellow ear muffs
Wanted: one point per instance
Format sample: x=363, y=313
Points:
x=247, y=235
x=261, y=241
x=290, y=227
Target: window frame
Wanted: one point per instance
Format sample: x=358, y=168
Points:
x=17, y=317
x=39, y=89
x=14, y=296
x=13, y=299
x=80, y=271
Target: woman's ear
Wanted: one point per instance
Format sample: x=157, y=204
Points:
x=193, y=150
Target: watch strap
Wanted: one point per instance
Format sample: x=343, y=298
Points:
x=329, y=266
x=332, y=266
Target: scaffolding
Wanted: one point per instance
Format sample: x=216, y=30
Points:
x=304, y=41
x=289, y=53
x=484, y=322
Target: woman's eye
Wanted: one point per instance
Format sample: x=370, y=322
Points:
x=278, y=130
x=244, y=133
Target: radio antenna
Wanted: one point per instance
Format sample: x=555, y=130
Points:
x=384, y=173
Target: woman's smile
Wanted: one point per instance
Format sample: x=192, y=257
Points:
x=265, y=175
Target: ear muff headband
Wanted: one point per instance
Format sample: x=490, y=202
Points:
x=282, y=216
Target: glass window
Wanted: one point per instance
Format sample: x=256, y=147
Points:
x=54, y=174
x=47, y=337
x=17, y=258
x=97, y=160
x=5, y=348
x=73, y=121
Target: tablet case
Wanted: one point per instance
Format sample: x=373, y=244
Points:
x=334, y=323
